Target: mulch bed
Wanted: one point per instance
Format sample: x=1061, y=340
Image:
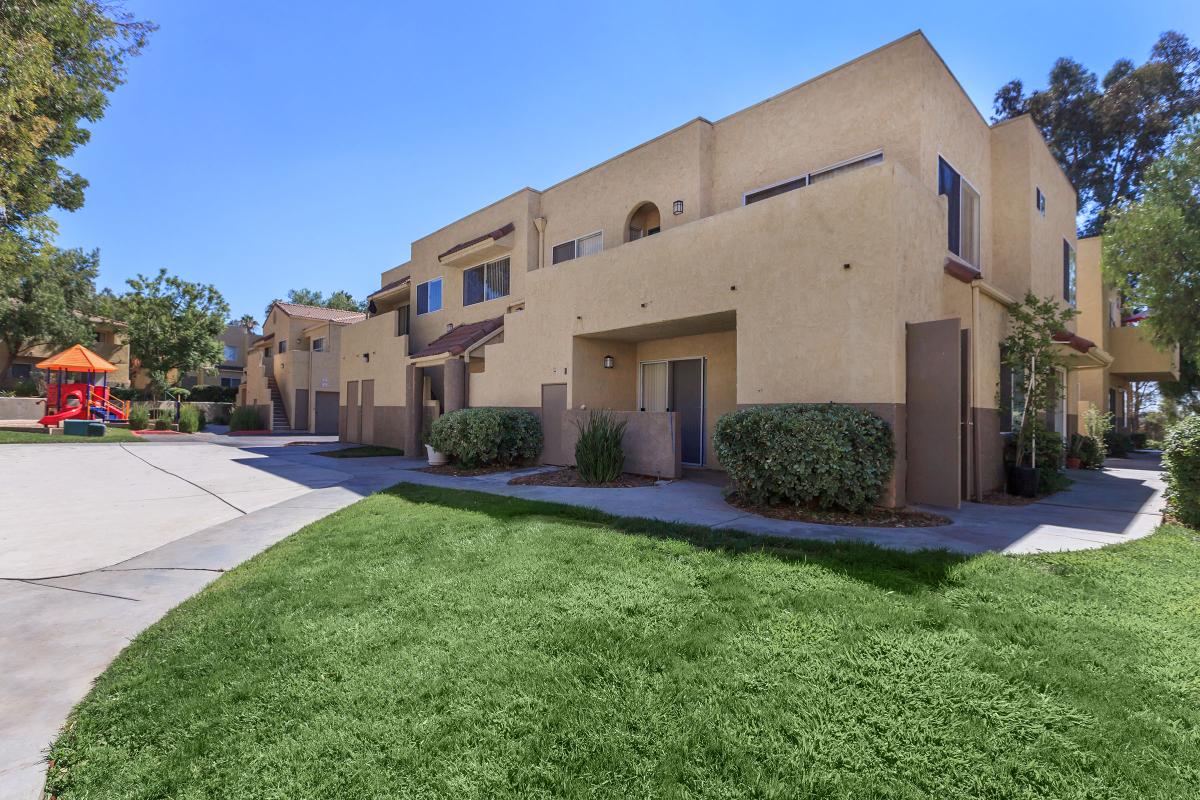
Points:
x=1006, y=499
x=464, y=472
x=570, y=477
x=152, y=432
x=877, y=517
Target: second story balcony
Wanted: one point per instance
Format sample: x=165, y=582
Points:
x=1136, y=358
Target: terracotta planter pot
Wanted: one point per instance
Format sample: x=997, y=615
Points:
x=1074, y=462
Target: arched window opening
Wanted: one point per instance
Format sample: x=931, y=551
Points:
x=644, y=221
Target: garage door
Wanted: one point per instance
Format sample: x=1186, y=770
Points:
x=327, y=412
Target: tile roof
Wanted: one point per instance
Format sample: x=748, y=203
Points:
x=1074, y=340
x=320, y=312
x=387, y=287
x=77, y=358
x=499, y=233
x=456, y=341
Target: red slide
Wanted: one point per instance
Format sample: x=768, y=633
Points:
x=66, y=413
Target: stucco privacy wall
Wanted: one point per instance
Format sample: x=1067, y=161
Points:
x=22, y=407
x=808, y=329
x=385, y=362
x=649, y=441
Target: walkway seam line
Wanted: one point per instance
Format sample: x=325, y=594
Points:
x=70, y=589
x=180, y=477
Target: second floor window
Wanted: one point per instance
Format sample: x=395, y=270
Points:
x=282, y=346
x=485, y=282
x=402, y=321
x=231, y=354
x=962, y=217
x=429, y=296
x=318, y=345
x=1068, y=272
x=578, y=248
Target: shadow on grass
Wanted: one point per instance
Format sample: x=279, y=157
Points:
x=890, y=570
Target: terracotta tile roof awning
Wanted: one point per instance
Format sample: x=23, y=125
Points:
x=457, y=340
x=262, y=340
x=389, y=286
x=320, y=312
x=499, y=233
x=1076, y=341
x=77, y=358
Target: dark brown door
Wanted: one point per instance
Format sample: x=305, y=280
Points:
x=300, y=410
x=326, y=412
x=353, y=431
x=686, y=392
x=367, y=422
x=934, y=413
x=554, y=409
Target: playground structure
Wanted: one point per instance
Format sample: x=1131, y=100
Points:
x=86, y=400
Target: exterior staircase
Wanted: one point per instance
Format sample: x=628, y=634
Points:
x=279, y=424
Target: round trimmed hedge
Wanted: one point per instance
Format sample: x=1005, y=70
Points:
x=822, y=455
x=475, y=437
x=1181, y=460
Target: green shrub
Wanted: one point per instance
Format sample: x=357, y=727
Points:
x=1049, y=451
x=475, y=437
x=598, y=454
x=139, y=418
x=1181, y=459
x=246, y=418
x=162, y=424
x=1118, y=444
x=1087, y=451
x=828, y=456
x=189, y=419
x=1139, y=440
x=214, y=394
x=27, y=388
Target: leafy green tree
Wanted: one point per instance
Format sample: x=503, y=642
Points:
x=45, y=302
x=1152, y=247
x=344, y=301
x=1106, y=134
x=340, y=300
x=306, y=297
x=59, y=60
x=173, y=325
x=1029, y=351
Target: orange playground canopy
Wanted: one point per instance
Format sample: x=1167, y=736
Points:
x=77, y=358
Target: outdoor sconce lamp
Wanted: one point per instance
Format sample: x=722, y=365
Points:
x=608, y=362
x=678, y=207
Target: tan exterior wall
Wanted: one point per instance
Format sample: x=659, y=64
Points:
x=803, y=297
x=386, y=365
x=110, y=344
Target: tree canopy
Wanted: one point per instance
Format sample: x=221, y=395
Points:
x=173, y=325
x=341, y=300
x=59, y=60
x=46, y=301
x=1107, y=133
x=1152, y=253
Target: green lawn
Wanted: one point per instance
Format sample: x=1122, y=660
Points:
x=434, y=643
x=362, y=451
x=111, y=435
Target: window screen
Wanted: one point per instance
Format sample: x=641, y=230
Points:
x=486, y=282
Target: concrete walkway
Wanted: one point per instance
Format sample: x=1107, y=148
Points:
x=165, y=519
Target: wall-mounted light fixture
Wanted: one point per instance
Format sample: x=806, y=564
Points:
x=678, y=207
x=608, y=362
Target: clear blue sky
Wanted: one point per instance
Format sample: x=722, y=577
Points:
x=263, y=146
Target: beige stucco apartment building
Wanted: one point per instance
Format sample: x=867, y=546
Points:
x=109, y=341
x=855, y=239
x=1133, y=356
x=294, y=366
x=235, y=347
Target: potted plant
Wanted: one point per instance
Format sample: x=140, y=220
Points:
x=435, y=458
x=1075, y=452
x=1030, y=354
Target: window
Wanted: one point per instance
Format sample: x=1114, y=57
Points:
x=231, y=354
x=485, y=282
x=231, y=383
x=962, y=213
x=1040, y=199
x=429, y=296
x=318, y=345
x=282, y=346
x=842, y=167
x=21, y=372
x=1012, y=395
x=1068, y=272
x=583, y=246
x=266, y=354
x=402, y=321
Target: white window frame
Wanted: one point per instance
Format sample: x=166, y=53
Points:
x=808, y=177
x=417, y=291
x=575, y=247
x=962, y=181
